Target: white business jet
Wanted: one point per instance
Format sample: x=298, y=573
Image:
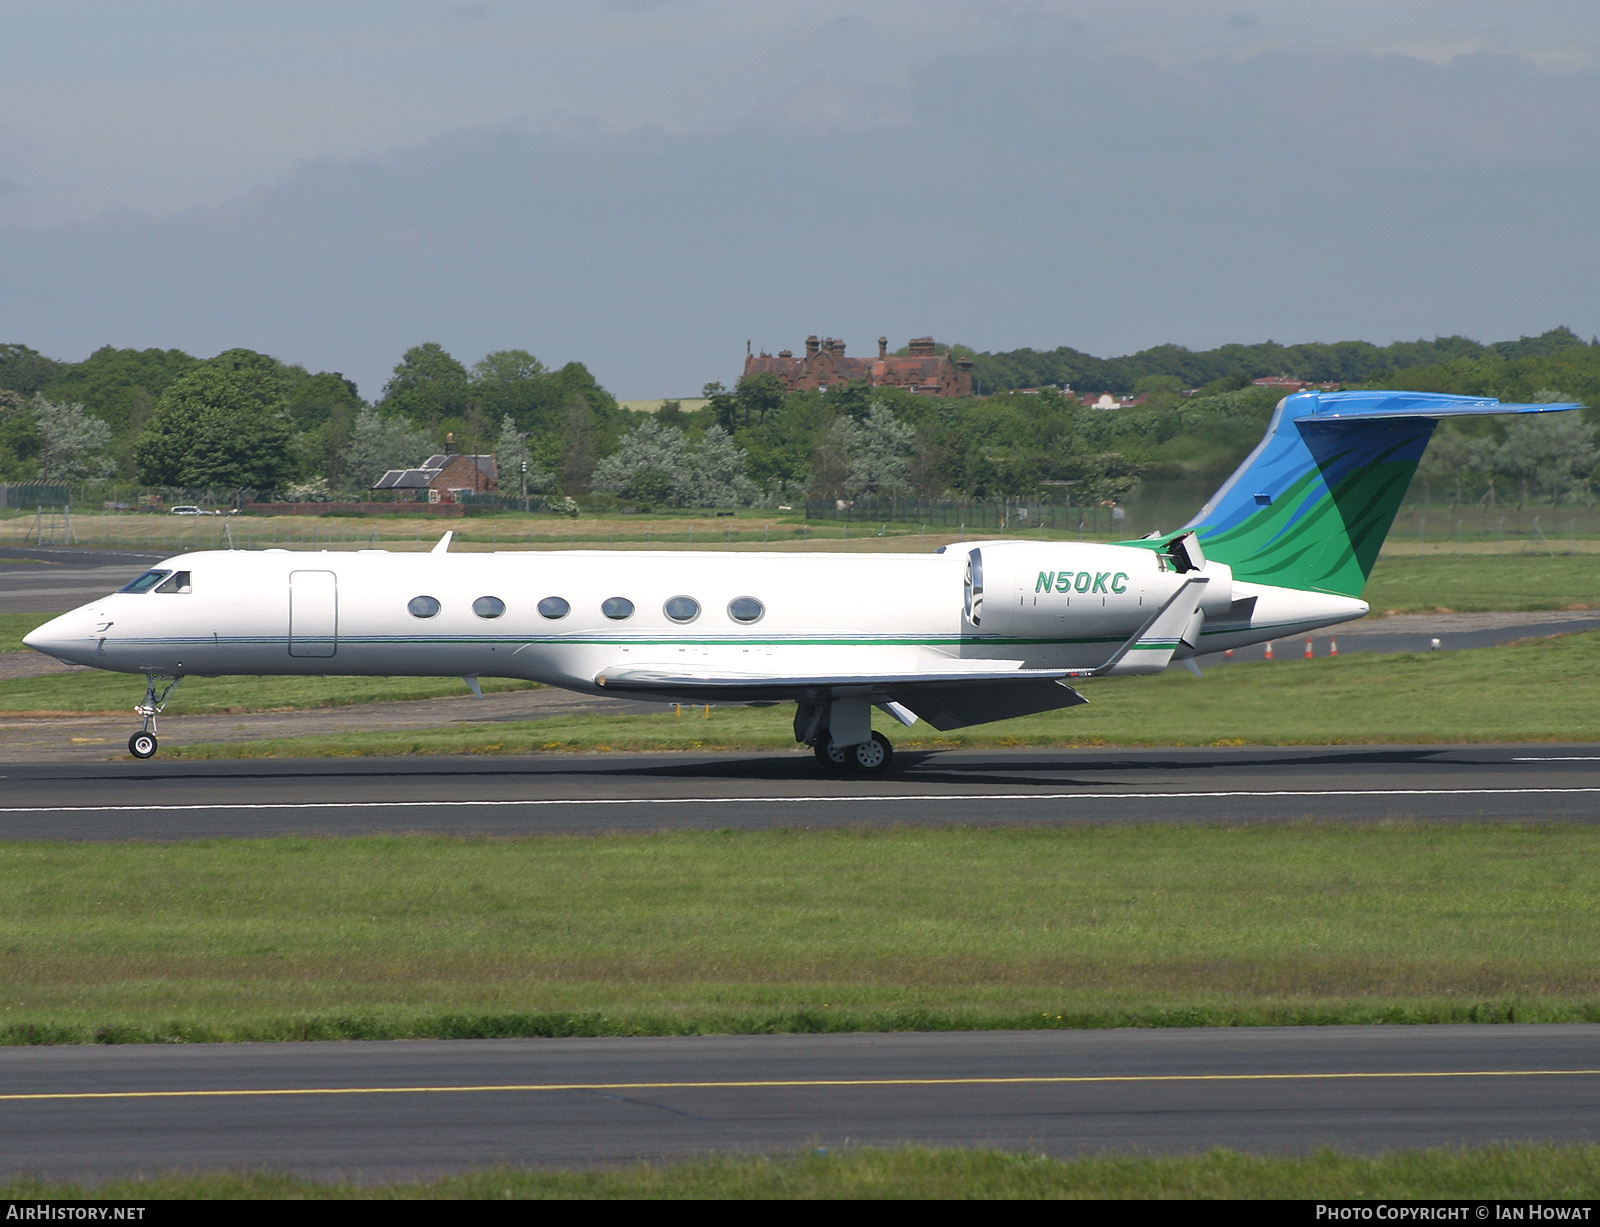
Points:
x=976, y=632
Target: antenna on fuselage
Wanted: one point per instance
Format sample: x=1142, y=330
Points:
x=444, y=542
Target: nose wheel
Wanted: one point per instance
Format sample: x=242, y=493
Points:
x=158, y=689
x=864, y=758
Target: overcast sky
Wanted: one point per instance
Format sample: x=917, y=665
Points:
x=643, y=185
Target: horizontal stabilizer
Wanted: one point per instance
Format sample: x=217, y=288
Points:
x=1365, y=406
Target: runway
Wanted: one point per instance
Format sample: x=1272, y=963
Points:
x=403, y=1110
x=568, y=794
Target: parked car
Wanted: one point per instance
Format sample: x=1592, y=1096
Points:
x=191, y=511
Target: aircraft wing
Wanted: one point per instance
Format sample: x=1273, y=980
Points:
x=948, y=697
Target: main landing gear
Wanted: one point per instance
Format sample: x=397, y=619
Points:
x=839, y=732
x=864, y=758
x=158, y=688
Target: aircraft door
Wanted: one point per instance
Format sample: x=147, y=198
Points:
x=313, y=613
x=973, y=596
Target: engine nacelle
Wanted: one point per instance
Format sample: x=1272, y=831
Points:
x=1072, y=603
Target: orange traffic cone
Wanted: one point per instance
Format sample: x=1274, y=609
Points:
x=1308, y=649
x=1269, y=649
x=1333, y=647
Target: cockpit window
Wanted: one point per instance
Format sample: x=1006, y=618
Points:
x=178, y=583
x=146, y=581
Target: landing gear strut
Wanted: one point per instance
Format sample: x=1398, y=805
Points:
x=158, y=688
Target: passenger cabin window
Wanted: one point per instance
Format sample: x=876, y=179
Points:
x=617, y=608
x=146, y=581
x=746, y=609
x=488, y=607
x=422, y=606
x=682, y=608
x=554, y=607
x=178, y=583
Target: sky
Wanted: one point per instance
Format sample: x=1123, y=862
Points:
x=644, y=186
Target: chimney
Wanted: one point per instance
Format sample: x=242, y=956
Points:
x=812, y=346
x=883, y=348
x=450, y=444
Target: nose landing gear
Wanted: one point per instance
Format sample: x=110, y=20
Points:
x=143, y=744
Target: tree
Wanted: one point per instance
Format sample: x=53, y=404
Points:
x=1549, y=454
x=518, y=474
x=881, y=448
x=718, y=469
x=378, y=444
x=869, y=457
x=219, y=428
x=658, y=464
x=428, y=386
x=652, y=465
x=26, y=370
x=72, y=443
x=512, y=382
x=20, y=439
x=757, y=399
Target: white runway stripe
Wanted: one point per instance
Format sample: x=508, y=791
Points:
x=929, y=798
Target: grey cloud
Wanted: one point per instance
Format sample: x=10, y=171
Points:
x=1056, y=197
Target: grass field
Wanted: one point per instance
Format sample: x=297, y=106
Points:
x=1530, y=1171
x=798, y=930
x=62, y=694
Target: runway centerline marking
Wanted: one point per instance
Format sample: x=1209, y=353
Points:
x=797, y=1083
x=807, y=800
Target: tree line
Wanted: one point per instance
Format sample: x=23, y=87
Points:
x=245, y=421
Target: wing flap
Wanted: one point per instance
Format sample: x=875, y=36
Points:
x=955, y=705
x=667, y=679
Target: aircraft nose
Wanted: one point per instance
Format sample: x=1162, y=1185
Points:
x=66, y=638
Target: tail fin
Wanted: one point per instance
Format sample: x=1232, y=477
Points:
x=1310, y=507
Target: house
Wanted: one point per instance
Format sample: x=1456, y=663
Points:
x=924, y=370
x=1106, y=401
x=445, y=477
x=1290, y=386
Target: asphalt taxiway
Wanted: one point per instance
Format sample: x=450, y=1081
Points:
x=401, y=1110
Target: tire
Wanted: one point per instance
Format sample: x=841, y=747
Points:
x=142, y=745
x=871, y=757
x=829, y=756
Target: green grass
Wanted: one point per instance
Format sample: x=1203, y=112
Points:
x=115, y=693
x=1537, y=690
x=798, y=930
x=13, y=626
x=1531, y=1170
x=1484, y=583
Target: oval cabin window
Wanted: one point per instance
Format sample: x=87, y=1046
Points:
x=617, y=608
x=554, y=607
x=488, y=607
x=423, y=606
x=682, y=608
x=746, y=609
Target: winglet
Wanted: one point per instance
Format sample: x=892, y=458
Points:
x=1175, y=624
x=444, y=542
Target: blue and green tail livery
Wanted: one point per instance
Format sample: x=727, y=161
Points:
x=1310, y=507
